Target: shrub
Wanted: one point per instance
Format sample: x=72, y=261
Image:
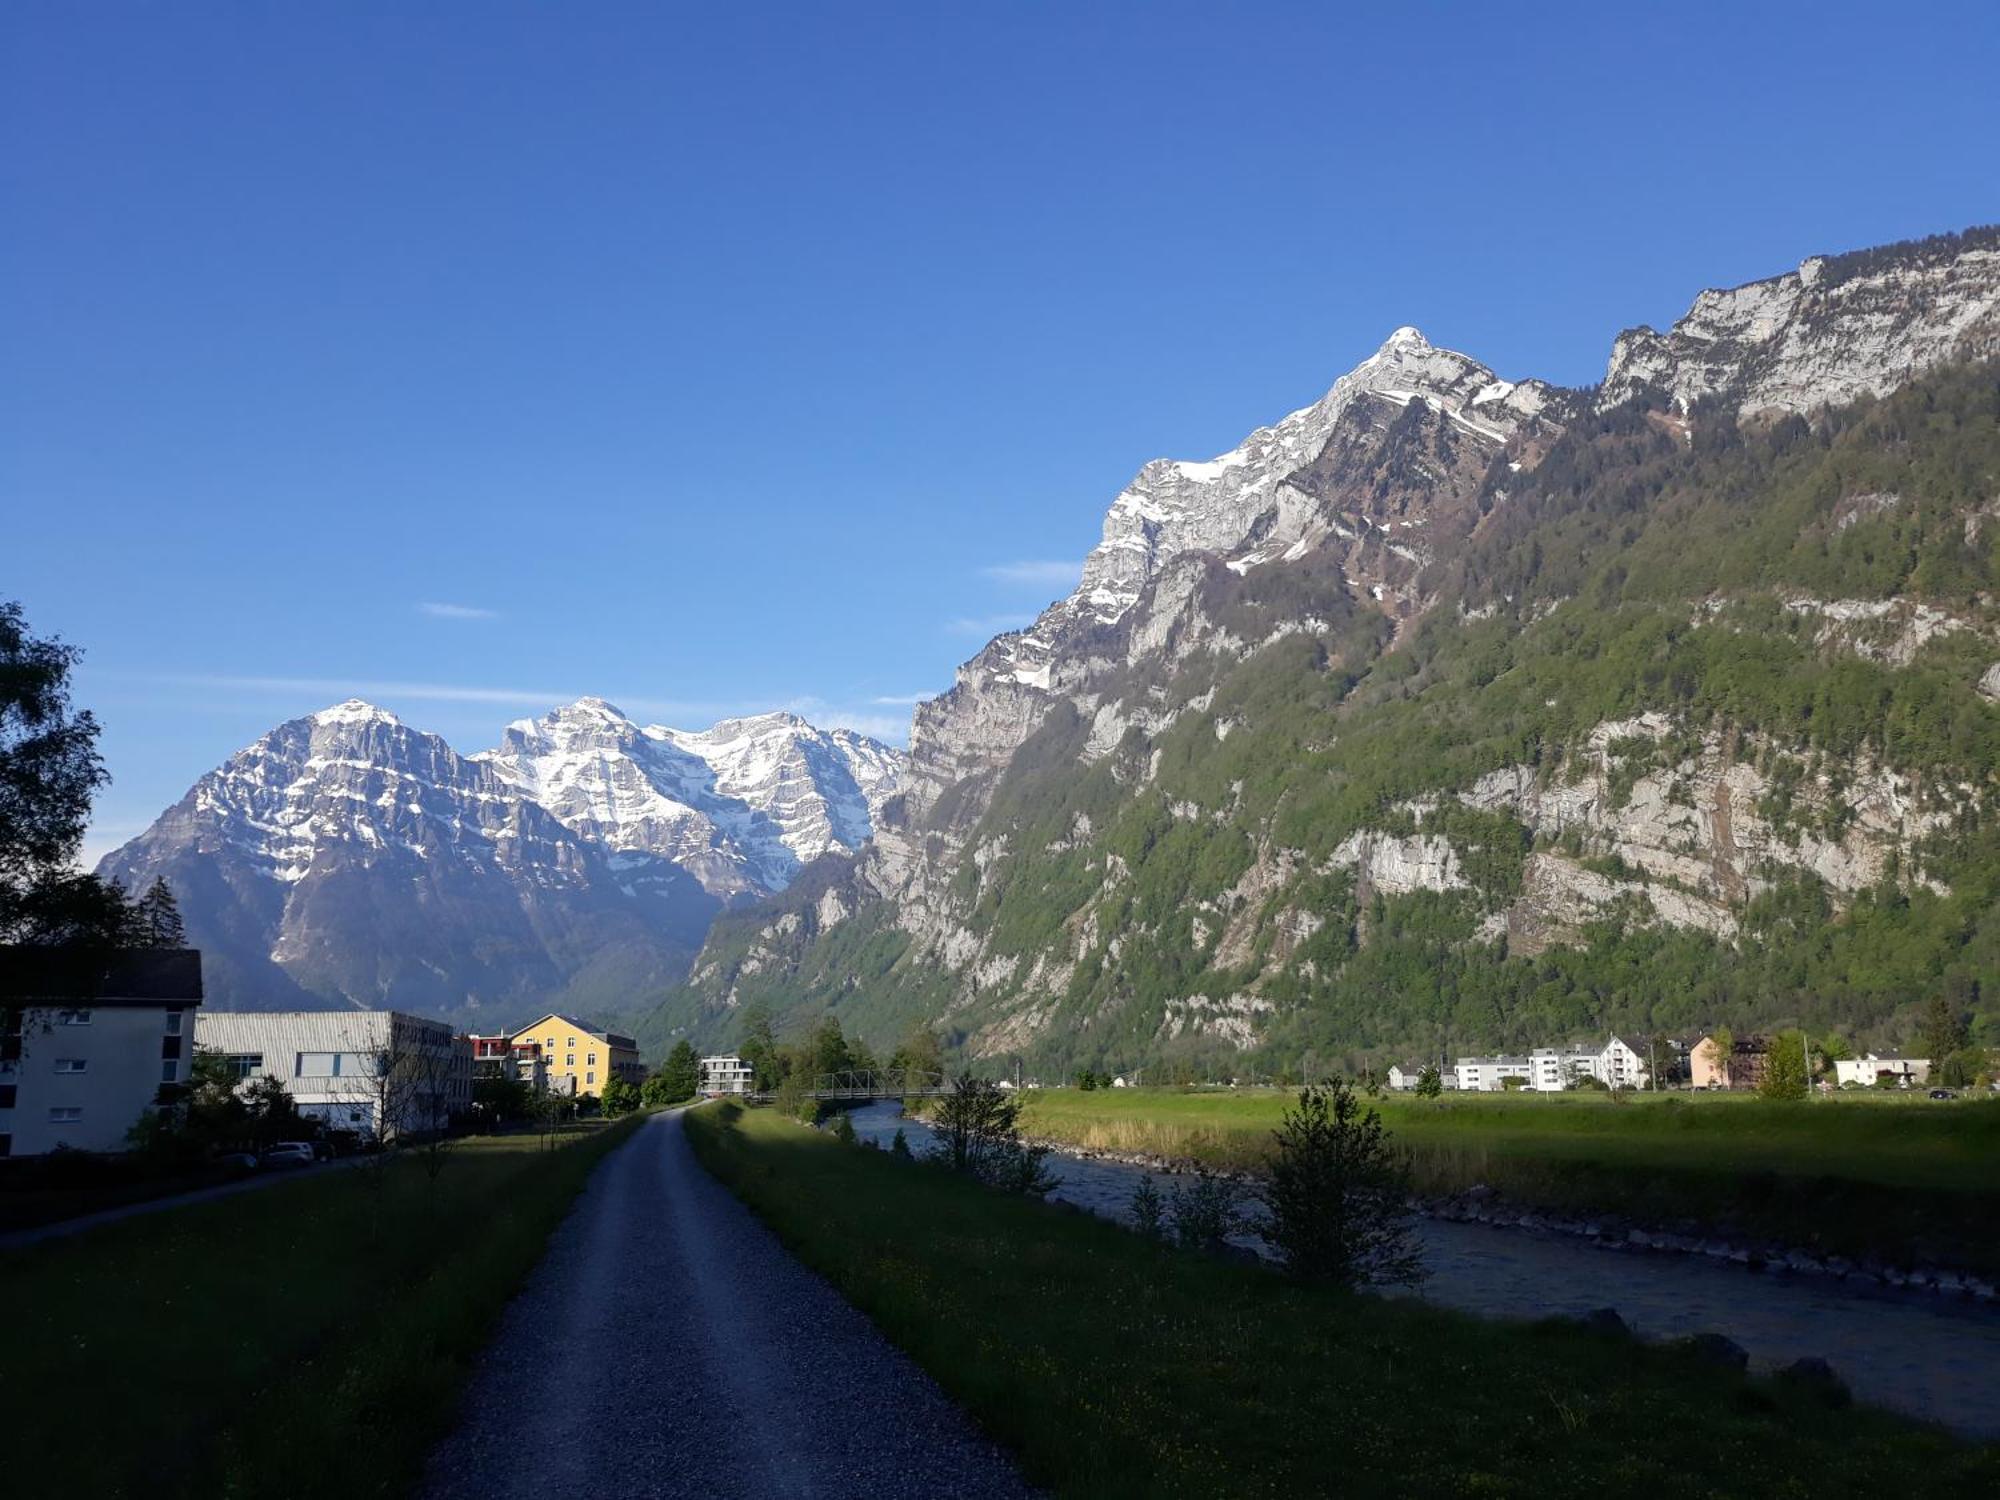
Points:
x=1148, y=1212
x=978, y=1133
x=1338, y=1194
x=1204, y=1213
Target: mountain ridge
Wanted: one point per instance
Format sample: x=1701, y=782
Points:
x=347, y=858
x=1339, y=560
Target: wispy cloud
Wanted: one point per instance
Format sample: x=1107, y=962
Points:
x=904, y=700
x=889, y=728
x=334, y=689
x=1054, y=575
x=457, y=612
x=987, y=626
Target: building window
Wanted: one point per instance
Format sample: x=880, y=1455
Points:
x=72, y=1018
x=571, y=1042
x=245, y=1064
x=173, y=1023
x=7, y=1095
x=170, y=1072
x=72, y=1065
x=592, y=1059
x=569, y=1060
x=65, y=1114
x=590, y=1078
x=170, y=1046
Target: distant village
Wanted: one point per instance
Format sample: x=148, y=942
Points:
x=1697, y=1062
x=115, y=1042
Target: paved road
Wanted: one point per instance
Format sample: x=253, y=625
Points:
x=669, y=1346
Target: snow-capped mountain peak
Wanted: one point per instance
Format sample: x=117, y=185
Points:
x=742, y=805
x=355, y=711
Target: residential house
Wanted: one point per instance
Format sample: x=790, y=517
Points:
x=1487, y=1074
x=1744, y=1068
x=502, y=1057
x=1622, y=1066
x=727, y=1074
x=378, y=1073
x=90, y=1042
x=1405, y=1075
x=1904, y=1072
x=581, y=1058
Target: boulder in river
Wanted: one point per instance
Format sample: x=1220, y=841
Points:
x=1817, y=1376
x=1607, y=1320
x=1715, y=1349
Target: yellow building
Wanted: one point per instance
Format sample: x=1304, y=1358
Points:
x=578, y=1057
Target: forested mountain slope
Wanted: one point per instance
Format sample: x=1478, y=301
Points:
x=1458, y=712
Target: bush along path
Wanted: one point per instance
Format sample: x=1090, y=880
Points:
x=669, y=1346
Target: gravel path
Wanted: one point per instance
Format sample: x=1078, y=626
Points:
x=669, y=1346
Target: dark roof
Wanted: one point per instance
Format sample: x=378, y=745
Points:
x=609, y=1038
x=143, y=975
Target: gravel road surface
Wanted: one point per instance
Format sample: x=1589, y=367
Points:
x=669, y=1346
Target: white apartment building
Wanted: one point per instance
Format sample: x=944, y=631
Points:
x=1484, y=1074
x=90, y=1043
x=727, y=1074
x=1906, y=1072
x=1550, y=1070
x=379, y=1073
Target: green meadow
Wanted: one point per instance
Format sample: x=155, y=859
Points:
x=1114, y=1367
x=306, y=1339
x=1908, y=1177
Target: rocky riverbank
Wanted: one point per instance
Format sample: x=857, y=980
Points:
x=1622, y=1235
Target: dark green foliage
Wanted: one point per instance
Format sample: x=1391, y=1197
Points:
x=1204, y=1213
x=978, y=1135
x=842, y=1128
x=618, y=1097
x=1338, y=1195
x=677, y=1078
x=1148, y=1211
x=1785, y=1067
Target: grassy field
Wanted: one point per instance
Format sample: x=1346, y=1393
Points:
x=1115, y=1367
x=301, y=1340
x=1913, y=1178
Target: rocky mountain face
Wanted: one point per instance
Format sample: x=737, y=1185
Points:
x=1453, y=705
x=346, y=858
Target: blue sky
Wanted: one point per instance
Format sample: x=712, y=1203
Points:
x=473, y=357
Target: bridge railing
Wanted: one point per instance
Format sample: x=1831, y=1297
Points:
x=879, y=1083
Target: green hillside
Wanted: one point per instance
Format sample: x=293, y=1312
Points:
x=1191, y=881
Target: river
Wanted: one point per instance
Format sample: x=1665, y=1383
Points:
x=1915, y=1352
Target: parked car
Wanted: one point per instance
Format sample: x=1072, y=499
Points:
x=1943, y=1094
x=289, y=1154
x=244, y=1161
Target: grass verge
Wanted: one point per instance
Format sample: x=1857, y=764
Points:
x=302, y=1340
x=1913, y=1180
x=1115, y=1367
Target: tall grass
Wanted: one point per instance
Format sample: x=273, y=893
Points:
x=302, y=1340
x=1116, y=1367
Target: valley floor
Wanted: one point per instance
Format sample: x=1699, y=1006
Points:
x=1911, y=1180
x=1117, y=1367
